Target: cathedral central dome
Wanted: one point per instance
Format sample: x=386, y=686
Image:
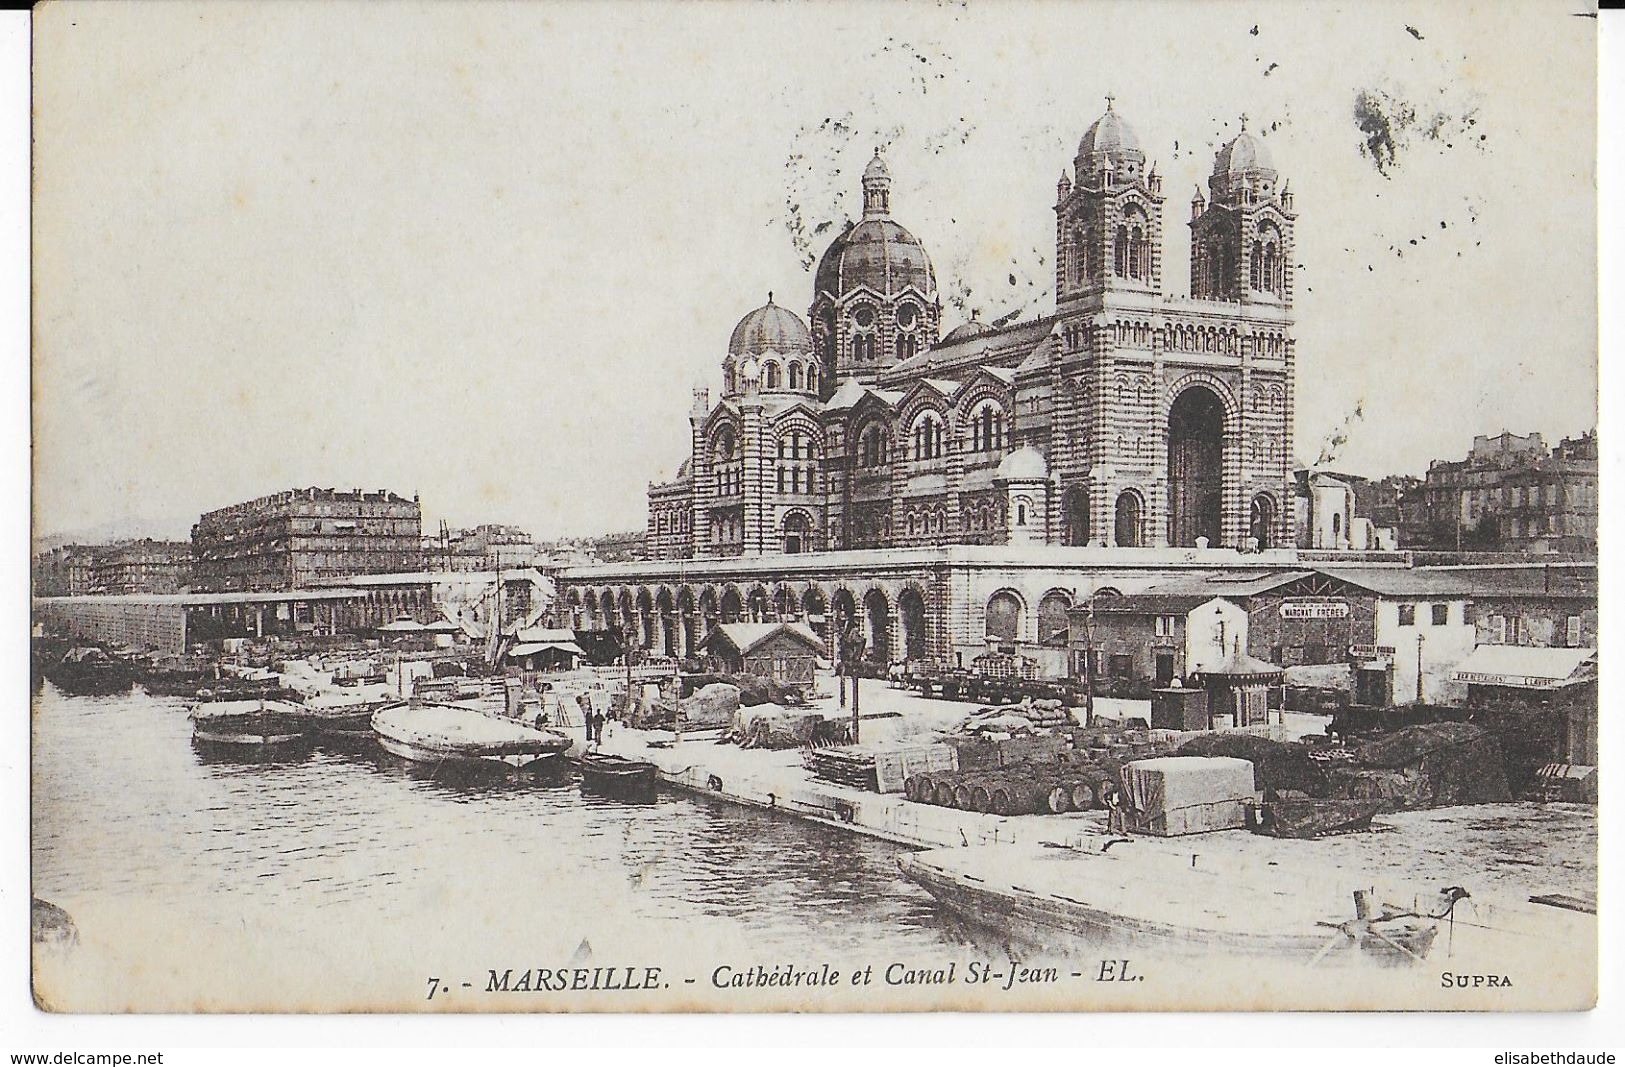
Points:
x=877, y=253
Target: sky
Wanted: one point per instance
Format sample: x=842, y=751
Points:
x=485, y=252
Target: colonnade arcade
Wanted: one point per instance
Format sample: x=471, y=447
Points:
x=896, y=614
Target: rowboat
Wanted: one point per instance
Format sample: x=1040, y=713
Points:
x=1291, y=814
x=458, y=736
x=616, y=774
x=1067, y=900
x=251, y=730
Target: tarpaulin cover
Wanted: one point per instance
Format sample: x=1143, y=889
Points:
x=1276, y=764
x=1430, y=765
x=1174, y=795
x=770, y=726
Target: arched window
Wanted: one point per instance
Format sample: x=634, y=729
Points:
x=872, y=447
x=1261, y=521
x=1120, y=253
x=1127, y=522
x=1004, y=616
x=1256, y=271
x=987, y=428
x=1021, y=513
x=927, y=436
x=812, y=378
x=770, y=376
x=795, y=376
x=907, y=345
x=1052, y=621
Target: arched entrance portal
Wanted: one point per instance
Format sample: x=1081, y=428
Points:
x=911, y=611
x=1195, y=468
x=797, y=533
x=878, y=614
x=1261, y=521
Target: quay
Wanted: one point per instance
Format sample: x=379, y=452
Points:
x=1422, y=848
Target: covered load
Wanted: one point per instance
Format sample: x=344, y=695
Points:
x=1276, y=764
x=1173, y=795
x=1427, y=766
x=770, y=726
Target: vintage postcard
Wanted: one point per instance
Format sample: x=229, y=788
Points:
x=754, y=507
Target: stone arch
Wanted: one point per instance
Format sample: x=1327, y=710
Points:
x=796, y=531
x=1128, y=519
x=1075, y=515
x=1263, y=516
x=784, y=603
x=813, y=602
x=912, y=617
x=606, y=609
x=1004, y=614
x=757, y=603
x=1052, y=618
x=731, y=608
x=877, y=616
x=1200, y=416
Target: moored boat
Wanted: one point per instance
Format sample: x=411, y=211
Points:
x=344, y=720
x=90, y=671
x=1292, y=814
x=1074, y=900
x=616, y=774
x=251, y=730
x=454, y=735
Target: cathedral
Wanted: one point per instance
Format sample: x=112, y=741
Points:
x=1130, y=417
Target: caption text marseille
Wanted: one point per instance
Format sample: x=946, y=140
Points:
x=1004, y=974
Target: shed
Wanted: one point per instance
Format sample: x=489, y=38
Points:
x=786, y=652
x=545, y=648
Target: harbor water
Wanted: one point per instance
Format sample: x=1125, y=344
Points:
x=372, y=866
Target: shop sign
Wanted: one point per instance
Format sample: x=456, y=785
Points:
x=1522, y=681
x=1362, y=651
x=1314, y=609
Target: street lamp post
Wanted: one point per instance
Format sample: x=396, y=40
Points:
x=1419, y=639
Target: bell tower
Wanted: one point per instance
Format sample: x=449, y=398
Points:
x=1241, y=236
x=1108, y=232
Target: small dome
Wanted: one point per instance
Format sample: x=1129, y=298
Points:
x=1024, y=464
x=1242, y=155
x=1109, y=134
x=1110, y=140
x=876, y=171
x=965, y=331
x=769, y=328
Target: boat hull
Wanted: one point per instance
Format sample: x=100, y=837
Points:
x=612, y=774
x=1050, y=924
x=438, y=757
x=252, y=747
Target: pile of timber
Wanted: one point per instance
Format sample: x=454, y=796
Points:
x=845, y=765
x=1029, y=789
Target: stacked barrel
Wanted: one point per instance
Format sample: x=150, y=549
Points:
x=1027, y=789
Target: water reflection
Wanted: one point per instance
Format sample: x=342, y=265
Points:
x=124, y=807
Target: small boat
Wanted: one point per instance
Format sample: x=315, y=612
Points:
x=90, y=671
x=344, y=720
x=455, y=735
x=616, y=774
x=1073, y=900
x=251, y=729
x=1289, y=813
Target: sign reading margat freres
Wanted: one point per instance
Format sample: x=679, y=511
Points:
x=666, y=507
